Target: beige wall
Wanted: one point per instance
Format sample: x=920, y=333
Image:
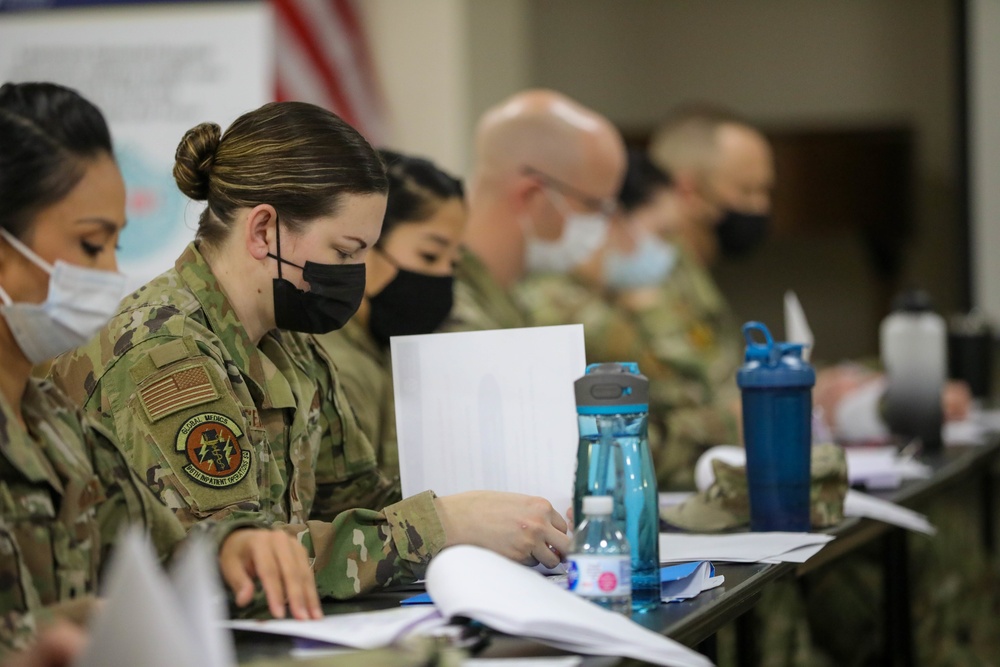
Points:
x=780, y=62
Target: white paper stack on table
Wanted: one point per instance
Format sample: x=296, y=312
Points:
x=742, y=547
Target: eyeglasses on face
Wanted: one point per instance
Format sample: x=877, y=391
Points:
x=606, y=206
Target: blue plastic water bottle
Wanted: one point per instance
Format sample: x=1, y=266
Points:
x=612, y=404
x=776, y=385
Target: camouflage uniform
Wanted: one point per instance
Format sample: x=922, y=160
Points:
x=221, y=429
x=364, y=370
x=687, y=413
x=65, y=494
x=480, y=303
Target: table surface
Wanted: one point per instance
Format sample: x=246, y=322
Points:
x=693, y=621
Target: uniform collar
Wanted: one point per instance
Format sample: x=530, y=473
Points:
x=221, y=317
x=360, y=337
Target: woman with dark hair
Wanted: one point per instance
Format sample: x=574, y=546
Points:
x=65, y=490
x=224, y=415
x=409, y=291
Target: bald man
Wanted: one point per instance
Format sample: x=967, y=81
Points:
x=543, y=187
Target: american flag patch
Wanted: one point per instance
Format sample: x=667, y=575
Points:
x=181, y=389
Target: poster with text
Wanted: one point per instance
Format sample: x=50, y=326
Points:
x=155, y=71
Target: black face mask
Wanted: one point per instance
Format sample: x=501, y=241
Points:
x=739, y=233
x=413, y=303
x=335, y=292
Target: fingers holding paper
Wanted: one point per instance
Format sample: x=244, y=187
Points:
x=281, y=565
x=525, y=529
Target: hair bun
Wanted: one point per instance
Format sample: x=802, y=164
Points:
x=194, y=157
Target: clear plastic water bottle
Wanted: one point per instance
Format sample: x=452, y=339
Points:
x=613, y=458
x=600, y=565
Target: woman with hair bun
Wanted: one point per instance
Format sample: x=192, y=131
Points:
x=66, y=492
x=224, y=415
x=408, y=291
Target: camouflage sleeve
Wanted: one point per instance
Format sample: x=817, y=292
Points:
x=347, y=471
x=363, y=550
x=20, y=602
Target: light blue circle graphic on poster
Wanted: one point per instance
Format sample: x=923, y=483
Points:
x=154, y=206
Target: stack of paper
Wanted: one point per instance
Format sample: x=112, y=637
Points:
x=479, y=584
x=742, y=547
x=372, y=629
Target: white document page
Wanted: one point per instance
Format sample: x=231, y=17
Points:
x=861, y=504
x=370, y=629
x=145, y=620
x=490, y=410
x=479, y=584
x=738, y=547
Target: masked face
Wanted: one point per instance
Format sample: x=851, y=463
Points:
x=412, y=303
x=739, y=233
x=335, y=292
x=648, y=265
x=80, y=301
x=583, y=234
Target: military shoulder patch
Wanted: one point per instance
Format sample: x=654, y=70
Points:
x=211, y=443
x=180, y=388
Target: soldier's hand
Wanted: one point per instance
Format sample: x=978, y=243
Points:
x=56, y=646
x=279, y=562
x=523, y=528
x=956, y=400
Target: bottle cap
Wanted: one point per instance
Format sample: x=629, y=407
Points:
x=912, y=301
x=612, y=388
x=598, y=504
x=772, y=365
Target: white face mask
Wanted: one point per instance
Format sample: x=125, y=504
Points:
x=80, y=302
x=648, y=265
x=583, y=234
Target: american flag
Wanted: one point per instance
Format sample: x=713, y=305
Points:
x=322, y=57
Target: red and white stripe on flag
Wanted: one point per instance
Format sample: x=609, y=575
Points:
x=322, y=57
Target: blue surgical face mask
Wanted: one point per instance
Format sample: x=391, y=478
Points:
x=648, y=265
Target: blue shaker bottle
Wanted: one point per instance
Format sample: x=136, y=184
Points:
x=776, y=386
x=612, y=404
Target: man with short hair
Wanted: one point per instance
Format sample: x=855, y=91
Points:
x=543, y=186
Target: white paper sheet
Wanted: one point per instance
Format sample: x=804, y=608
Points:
x=797, y=328
x=683, y=582
x=144, y=622
x=489, y=410
x=863, y=505
x=476, y=583
x=882, y=467
x=371, y=629
x=738, y=547
x=548, y=661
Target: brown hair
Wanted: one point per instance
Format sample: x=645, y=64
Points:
x=298, y=157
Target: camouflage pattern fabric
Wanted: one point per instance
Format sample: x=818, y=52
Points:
x=480, y=303
x=726, y=503
x=689, y=315
x=363, y=368
x=221, y=429
x=688, y=414
x=65, y=495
